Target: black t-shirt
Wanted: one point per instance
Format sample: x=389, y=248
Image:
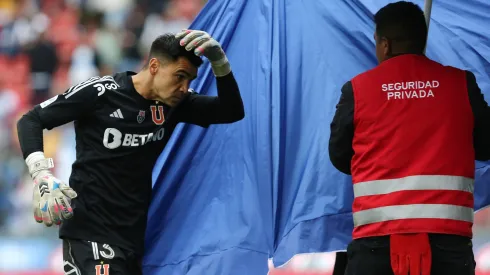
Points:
x=119, y=136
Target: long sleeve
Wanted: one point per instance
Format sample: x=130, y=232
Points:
x=481, y=112
x=342, y=131
x=72, y=105
x=204, y=110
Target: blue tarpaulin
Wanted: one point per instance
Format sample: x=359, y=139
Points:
x=229, y=197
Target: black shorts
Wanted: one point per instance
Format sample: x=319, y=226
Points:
x=91, y=258
x=451, y=255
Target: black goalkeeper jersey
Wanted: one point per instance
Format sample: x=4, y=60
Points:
x=119, y=136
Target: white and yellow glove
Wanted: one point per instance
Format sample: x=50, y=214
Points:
x=51, y=197
x=203, y=44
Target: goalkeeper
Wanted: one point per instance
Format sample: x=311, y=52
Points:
x=122, y=123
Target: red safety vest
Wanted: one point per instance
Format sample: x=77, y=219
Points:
x=413, y=167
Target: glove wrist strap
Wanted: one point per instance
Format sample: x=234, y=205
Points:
x=36, y=162
x=221, y=67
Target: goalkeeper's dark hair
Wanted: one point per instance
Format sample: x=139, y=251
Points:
x=167, y=48
x=402, y=23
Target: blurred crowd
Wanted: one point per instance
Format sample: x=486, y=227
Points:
x=47, y=46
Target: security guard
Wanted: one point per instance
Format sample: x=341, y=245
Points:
x=409, y=131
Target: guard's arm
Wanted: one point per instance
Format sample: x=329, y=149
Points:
x=481, y=112
x=342, y=131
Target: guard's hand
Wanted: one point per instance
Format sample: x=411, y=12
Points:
x=51, y=199
x=204, y=45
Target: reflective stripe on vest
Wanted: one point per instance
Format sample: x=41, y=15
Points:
x=413, y=211
x=380, y=187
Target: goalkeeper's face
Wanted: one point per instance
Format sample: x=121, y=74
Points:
x=171, y=80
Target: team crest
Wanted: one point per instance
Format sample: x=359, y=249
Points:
x=141, y=116
x=157, y=117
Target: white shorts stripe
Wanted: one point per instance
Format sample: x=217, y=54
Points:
x=413, y=211
x=425, y=182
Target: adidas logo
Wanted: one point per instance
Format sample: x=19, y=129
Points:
x=117, y=114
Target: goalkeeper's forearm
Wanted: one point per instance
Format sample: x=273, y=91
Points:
x=30, y=133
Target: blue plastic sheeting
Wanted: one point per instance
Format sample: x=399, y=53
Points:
x=211, y=209
x=228, y=197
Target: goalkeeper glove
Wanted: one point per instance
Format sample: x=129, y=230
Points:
x=51, y=197
x=203, y=44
